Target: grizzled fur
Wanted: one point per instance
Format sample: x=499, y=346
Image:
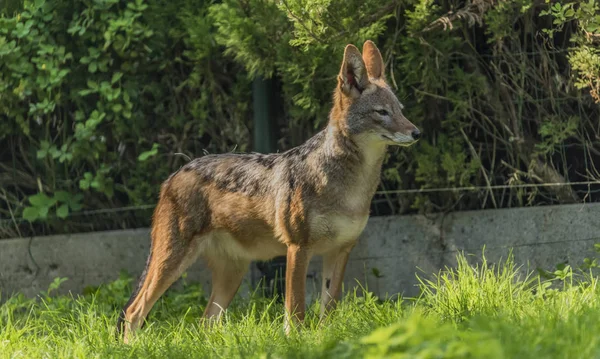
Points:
x=314, y=199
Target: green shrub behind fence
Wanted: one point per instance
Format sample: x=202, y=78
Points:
x=100, y=100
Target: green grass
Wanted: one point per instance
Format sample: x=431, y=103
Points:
x=469, y=312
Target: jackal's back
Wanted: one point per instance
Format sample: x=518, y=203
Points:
x=243, y=194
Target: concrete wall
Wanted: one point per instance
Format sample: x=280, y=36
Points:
x=393, y=247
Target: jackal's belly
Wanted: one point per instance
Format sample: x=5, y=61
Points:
x=222, y=244
x=327, y=232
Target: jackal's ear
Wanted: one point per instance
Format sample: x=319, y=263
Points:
x=353, y=78
x=373, y=60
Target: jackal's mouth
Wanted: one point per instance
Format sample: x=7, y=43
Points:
x=399, y=140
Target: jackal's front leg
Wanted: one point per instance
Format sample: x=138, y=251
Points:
x=334, y=266
x=298, y=258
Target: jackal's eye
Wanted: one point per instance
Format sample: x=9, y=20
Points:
x=383, y=112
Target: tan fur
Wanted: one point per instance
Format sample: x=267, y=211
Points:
x=314, y=199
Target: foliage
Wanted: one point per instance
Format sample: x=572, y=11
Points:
x=529, y=320
x=479, y=289
x=90, y=94
x=585, y=55
x=426, y=338
x=101, y=100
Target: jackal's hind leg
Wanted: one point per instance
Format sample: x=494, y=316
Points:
x=227, y=275
x=169, y=258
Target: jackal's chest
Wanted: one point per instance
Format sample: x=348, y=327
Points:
x=330, y=231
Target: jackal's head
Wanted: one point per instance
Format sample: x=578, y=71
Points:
x=365, y=105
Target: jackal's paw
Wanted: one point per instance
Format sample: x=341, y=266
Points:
x=292, y=324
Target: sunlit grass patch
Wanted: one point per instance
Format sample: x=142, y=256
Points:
x=471, y=311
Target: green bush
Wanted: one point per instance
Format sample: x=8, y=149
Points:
x=101, y=100
x=97, y=96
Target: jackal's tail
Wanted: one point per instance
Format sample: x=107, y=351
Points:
x=121, y=319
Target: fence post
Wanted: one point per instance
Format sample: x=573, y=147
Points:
x=265, y=141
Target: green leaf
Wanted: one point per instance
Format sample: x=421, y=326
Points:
x=43, y=212
x=63, y=211
x=75, y=206
x=43, y=151
x=86, y=92
x=92, y=84
x=103, y=66
x=56, y=283
x=84, y=183
x=569, y=13
x=62, y=196
x=65, y=157
x=41, y=200
x=54, y=152
x=30, y=213
x=116, y=77
x=79, y=116
x=147, y=154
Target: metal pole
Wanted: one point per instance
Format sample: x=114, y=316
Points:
x=273, y=271
x=264, y=122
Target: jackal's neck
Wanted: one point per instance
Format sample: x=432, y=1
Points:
x=354, y=159
x=357, y=148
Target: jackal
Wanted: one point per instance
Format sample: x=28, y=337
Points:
x=314, y=199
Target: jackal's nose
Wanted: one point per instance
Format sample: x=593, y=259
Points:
x=416, y=134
